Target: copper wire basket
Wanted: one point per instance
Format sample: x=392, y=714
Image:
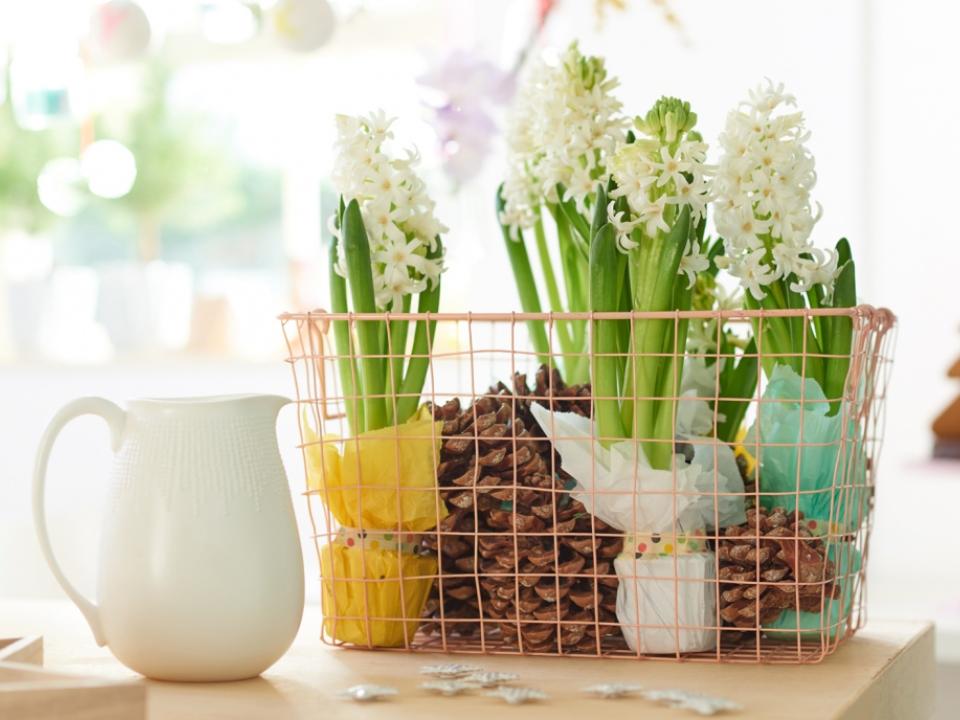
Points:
x=473, y=352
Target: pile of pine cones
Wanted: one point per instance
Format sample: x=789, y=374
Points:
x=500, y=567
x=503, y=574
x=794, y=572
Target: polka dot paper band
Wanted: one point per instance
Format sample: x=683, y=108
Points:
x=666, y=544
x=821, y=528
x=405, y=542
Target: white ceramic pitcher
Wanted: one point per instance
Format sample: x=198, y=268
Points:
x=201, y=573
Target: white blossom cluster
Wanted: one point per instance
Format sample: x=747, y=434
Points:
x=397, y=212
x=652, y=177
x=563, y=128
x=762, y=204
x=702, y=333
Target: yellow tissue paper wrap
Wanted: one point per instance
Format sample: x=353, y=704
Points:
x=380, y=480
x=349, y=617
x=358, y=478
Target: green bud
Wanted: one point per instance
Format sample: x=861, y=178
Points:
x=668, y=119
x=704, y=292
x=588, y=71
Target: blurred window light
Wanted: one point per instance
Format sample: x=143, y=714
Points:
x=119, y=31
x=44, y=84
x=109, y=168
x=60, y=186
x=25, y=257
x=228, y=22
x=302, y=25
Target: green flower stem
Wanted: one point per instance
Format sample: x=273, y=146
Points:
x=625, y=301
x=346, y=365
x=839, y=340
x=396, y=345
x=776, y=334
x=580, y=235
x=550, y=280
x=575, y=269
x=360, y=280
x=607, y=271
x=740, y=383
x=412, y=385
x=814, y=363
x=671, y=372
x=653, y=276
x=794, y=327
x=526, y=285
x=624, y=334
x=777, y=299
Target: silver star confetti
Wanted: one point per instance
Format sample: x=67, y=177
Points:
x=449, y=671
x=517, y=695
x=449, y=687
x=613, y=690
x=367, y=693
x=490, y=679
x=685, y=700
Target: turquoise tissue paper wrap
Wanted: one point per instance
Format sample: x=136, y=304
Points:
x=832, y=476
x=822, y=452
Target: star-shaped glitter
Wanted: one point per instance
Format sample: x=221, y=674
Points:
x=613, y=690
x=367, y=693
x=698, y=702
x=517, y=695
x=449, y=671
x=449, y=687
x=490, y=679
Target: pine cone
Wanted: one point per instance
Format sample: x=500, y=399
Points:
x=489, y=448
x=793, y=568
x=455, y=546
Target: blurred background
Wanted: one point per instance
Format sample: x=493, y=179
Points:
x=164, y=195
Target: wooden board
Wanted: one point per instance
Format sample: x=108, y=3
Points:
x=28, y=692
x=885, y=672
x=22, y=650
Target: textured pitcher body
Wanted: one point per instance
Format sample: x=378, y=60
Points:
x=201, y=574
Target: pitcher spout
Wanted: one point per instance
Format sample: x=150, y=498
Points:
x=273, y=402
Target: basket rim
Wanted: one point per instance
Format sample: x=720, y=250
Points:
x=881, y=317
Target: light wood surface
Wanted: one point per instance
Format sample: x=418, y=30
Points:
x=887, y=671
x=22, y=650
x=28, y=691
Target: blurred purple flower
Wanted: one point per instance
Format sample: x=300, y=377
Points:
x=464, y=87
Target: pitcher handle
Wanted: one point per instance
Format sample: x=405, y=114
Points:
x=115, y=417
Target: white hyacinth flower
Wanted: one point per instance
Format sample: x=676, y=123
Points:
x=665, y=166
x=397, y=212
x=693, y=261
x=562, y=130
x=762, y=204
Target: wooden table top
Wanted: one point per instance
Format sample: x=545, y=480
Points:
x=886, y=671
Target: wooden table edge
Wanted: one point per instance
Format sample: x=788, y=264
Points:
x=912, y=669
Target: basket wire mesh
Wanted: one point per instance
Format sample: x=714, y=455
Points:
x=469, y=354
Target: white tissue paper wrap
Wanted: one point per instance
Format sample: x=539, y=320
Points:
x=648, y=596
x=617, y=484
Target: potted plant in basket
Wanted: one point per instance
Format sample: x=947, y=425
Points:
x=647, y=248
x=379, y=484
x=811, y=456
x=564, y=129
